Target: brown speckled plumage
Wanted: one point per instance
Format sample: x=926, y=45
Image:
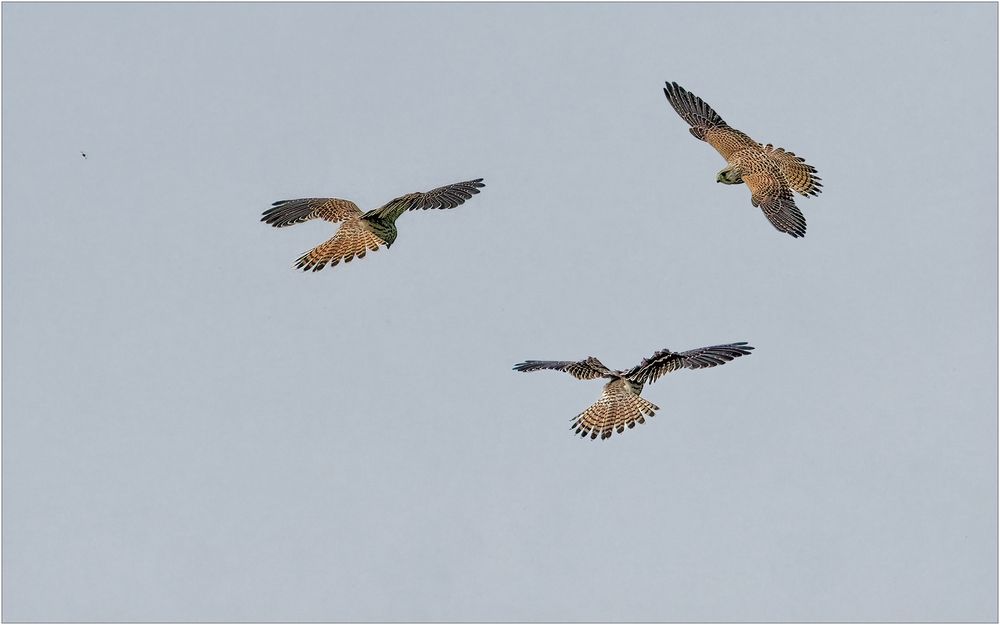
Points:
x=771, y=173
x=620, y=405
x=360, y=233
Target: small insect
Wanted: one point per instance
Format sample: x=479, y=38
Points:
x=83, y=154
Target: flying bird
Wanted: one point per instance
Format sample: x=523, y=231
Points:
x=771, y=173
x=620, y=404
x=360, y=232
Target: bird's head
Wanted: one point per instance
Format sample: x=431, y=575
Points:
x=729, y=176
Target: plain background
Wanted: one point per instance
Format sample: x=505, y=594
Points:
x=194, y=430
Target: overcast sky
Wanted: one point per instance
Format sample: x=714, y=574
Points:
x=193, y=430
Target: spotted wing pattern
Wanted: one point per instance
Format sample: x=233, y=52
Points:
x=773, y=197
x=665, y=361
x=587, y=369
x=448, y=196
x=289, y=212
x=705, y=122
x=799, y=175
x=354, y=238
x=619, y=407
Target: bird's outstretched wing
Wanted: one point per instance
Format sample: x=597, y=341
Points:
x=773, y=196
x=665, y=361
x=288, y=212
x=587, y=369
x=619, y=407
x=353, y=238
x=705, y=123
x=448, y=196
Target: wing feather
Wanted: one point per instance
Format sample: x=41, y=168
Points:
x=774, y=197
x=587, y=369
x=665, y=361
x=448, y=196
x=705, y=123
x=288, y=212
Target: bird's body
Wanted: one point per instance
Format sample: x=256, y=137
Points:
x=359, y=232
x=621, y=405
x=771, y=173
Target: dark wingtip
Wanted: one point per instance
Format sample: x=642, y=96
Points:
x=269, y=217
x=673, y=87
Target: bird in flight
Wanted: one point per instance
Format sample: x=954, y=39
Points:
x=771, y=173
x=360, y=232
x=620, y=404
x=83, y=154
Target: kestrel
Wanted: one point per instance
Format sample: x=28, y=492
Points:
x=620, y=404
x=361, y=232
x=771, y=173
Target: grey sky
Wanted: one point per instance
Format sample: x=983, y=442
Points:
x=194, y=430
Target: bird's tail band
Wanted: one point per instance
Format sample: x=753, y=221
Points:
x=612, y=414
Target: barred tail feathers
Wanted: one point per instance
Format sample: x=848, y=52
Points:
x=613, y=413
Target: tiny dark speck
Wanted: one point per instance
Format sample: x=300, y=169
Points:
x=83, y=154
